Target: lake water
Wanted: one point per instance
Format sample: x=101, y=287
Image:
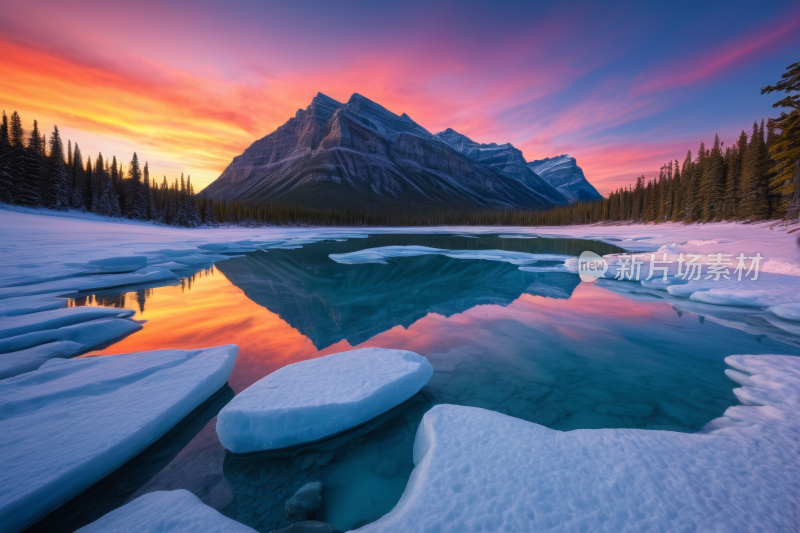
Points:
x=541, y=346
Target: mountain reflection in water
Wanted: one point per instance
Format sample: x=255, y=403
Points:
x=538, y=346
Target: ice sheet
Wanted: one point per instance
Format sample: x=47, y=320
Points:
x=313, y=399
x=68, y=424
x=177, y=511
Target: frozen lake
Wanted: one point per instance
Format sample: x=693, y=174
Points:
x=540, y=346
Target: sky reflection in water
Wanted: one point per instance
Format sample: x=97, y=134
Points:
x=539, y=346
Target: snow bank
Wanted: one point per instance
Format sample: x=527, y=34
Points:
x=92, y=333
x=177, y=511
x=16, y=363
x=73, y=421
x=23, y=305
x=85, y=283
x=57, y=318
x=314, y=399
x=479, y=470
x=787, y=311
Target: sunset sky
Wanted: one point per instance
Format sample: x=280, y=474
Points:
x=189, y=85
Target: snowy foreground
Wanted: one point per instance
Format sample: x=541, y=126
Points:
x=70, y=423
x=478, y=470
x=314, y=399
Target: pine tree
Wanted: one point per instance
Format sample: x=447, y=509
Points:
x=88, y=193
x=784, y=149
x=208, y=216
x=56, y=183
x=755, y=203
x=712, y=182
x=34, y=143
x=4, y=129
x=148, y=194
x=16, y=134
x=78, y=196
x=136, y=199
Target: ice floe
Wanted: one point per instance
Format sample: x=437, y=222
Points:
x=176, y=511
x=57, y=318
x=15, y=363
x=381, y=254
x=22, y=305
x=84, y=283
x=93, y=333
x=478, y=470
x=314, y=399
x=70, y=423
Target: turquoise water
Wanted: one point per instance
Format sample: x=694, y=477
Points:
x=543, y=347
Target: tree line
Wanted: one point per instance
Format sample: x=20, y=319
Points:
x=39, y=172
x=755, y=178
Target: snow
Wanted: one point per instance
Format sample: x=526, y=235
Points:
x=92, y=333
x=22, y=305
x=15, y=363
x=787, y=311
x=381, y=254
x=177, y=511
x=311, y=400
x=70, y=423
x=85, y=283
x=57, y=318
x=479, y=470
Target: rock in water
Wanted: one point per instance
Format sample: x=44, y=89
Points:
x=314, y=399
x=305, y=503
x=307, y=526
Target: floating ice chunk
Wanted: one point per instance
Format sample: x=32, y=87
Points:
x=493, y=472
x=787, y=311
x=15, y=363
x=83, y=283
x=172, y=265
x=524, y=236
x=57, y=318
x=22, y=305
x=113, y=264
x=382, y=253
x=73, y=421
x=177, y=511
x=314, y=399
x=93, y=333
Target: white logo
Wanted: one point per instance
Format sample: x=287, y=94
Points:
x=591, y=266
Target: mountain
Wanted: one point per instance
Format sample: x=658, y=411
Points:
x=563, y=173
x=361, y=156
x=504, y=159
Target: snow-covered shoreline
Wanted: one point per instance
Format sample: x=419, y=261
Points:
x=47, y=245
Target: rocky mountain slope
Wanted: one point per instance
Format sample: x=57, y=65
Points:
x=361, y=156
x=504, y=159
x=563, y=173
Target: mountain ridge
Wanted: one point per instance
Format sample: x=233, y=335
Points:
x=563, y=173
x=359, y=155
